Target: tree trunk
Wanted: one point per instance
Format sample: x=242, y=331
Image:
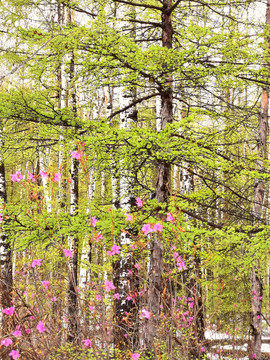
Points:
x=258, y=197
x=163, y=186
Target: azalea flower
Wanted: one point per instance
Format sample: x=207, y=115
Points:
x=135, y=356
x=67, y=253
x=57, y=177
x=45, y=284
x=87, y=343
x=116, y=296
x=94, y=221
x=43, y=174
x=14, y=354
x=17, y=333
x=98, y=297
x=76, y=155
x=41, y=327
x=9, y=311
x=99, y=237
x=170, y=217
x=36, y=262
x=16, y=177
x=146, y=229
x=32, y=177
x=139, y=202
x=109, y=285
x=6, y=342
x=202, y=349
x=128, y=217
x=145, y=314
x=114, y=250
x=158, y=227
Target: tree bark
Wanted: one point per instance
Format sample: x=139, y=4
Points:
x=258, y=198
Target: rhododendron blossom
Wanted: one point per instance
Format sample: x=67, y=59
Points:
x=32, y=177
x=46, y=284
x=16, y=177
x=87, y=343
x=9, y=311
x=41, y=327
x=99, y=237
x=94, y=221
x=76, y=155
x=57, y=177
x=139, y=202
x=158, y=227
x=128, y=217
x=43, y=174
x=6, y=342
x=146, y=229
x=135, y=356
x=14, y=354
x=36, y=262
x=170, y=217
x=109, y=285
x=145, y=314
x=67, y=253
x=17, y=333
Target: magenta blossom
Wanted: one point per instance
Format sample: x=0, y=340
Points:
x=32, y=177
x=109, y=285
x=1, y=217
x=87, y=343
x=157, y=227
x=6, y=342
x=145, y=314
x=9, y=311
x=14, y=354
x=43, y=174
x=139, y=202
x=16, y=177
x=17, y=332
x=146, y=229
x=135, y=356
x=128, y=217
x=170, y=217
x=116, y=296
x=67, y=253
x=114, y=250
x=36, y=262
x=94, y=221
x=76, y=155
x=46, y=284
x=41, y=327
x=99, y=237
x=57, y=177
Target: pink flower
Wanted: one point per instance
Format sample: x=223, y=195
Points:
x=99, y=237
x=16, y=177
x=109, y=285
x=139, y=202
x=14, y=354
x=145, y=314
x=116, y=296
x=128, y=217
x=17, y=333
x=135, y=356
x=36, y=262
x=76, y=155
x=54, y=299
x=28, y=331
x=258, y=317
x=146, y=229
x=98, y=297
x=6, y=342
x=67, y=253
x=202, y=349
x=57, y=177
x=32, y=177
x=158, y=227
x=170, y=217
x=41, y=327
x=1, y=217
x=87, y=343
x=43, y=174
x=94, y=221
x=137, y=266
x=9, y=311
x=115, y=249
x=254, y=356
x=46, y=284
x=91, y=308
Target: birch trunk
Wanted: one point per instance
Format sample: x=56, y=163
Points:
x=6, y=278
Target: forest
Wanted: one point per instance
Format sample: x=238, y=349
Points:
x=134, y=179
